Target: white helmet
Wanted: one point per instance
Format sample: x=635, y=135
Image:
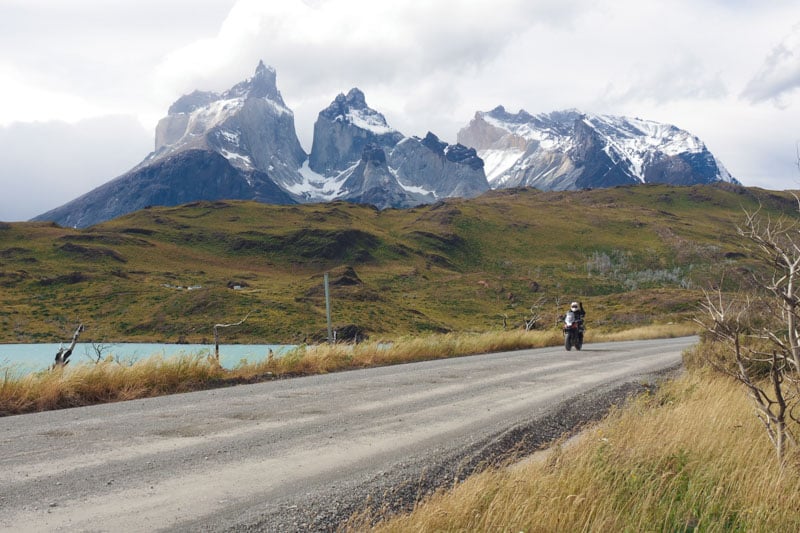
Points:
x=573, y=306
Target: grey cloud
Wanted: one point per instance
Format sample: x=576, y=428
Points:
x=681, y=80
x=43, y=165
x=779, y=74
x=416, y=40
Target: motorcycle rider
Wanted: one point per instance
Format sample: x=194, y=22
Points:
x=573, y=326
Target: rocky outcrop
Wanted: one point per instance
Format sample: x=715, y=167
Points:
x=371, y=181
x=344, y=129
x=431, y=165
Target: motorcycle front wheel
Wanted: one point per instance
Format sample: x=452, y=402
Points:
x=568, y=341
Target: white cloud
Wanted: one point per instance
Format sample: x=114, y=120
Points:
x=25, y=100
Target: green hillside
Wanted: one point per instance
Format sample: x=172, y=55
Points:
x=634, y=255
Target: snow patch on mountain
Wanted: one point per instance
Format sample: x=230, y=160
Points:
x=497, y=162
x=422, y=191
x=238, y=160
x=315, y=187
x=369, y=121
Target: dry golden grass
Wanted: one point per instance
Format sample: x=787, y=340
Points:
x=323, y=358
x=691, y=458
x=653, y=331
x=107, y=381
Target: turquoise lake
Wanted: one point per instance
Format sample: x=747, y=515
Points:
x=26, y=358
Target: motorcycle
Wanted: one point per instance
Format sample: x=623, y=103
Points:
x=573, y=332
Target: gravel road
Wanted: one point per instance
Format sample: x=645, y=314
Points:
x=303, y=454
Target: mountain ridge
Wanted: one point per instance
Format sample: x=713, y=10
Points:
x=357, y=156
x=570, y=149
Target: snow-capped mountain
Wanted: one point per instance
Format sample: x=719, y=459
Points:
x=242, y=144
x=249, y=125
x=344, y=129
x=353, y=145
x=572, y=150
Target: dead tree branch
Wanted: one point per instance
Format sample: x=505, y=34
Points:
x=62, y=356
x=536, y=314
x=99, y=348
x=216, y=333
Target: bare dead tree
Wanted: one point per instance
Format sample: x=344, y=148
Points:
x=536, y=314
x=216, y=333
x=776, y=245
x=558, y=315
x=762, y=328
x=797, y=154
x=98, y=349
x=730, y=322
x=62, y=356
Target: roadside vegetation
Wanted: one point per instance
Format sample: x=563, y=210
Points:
x=690, y=457
x=111, y=380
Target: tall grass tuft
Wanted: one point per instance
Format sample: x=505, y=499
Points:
x=652, y=331
x=689, y=458
x=107, y=381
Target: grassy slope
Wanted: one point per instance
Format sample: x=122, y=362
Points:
x=635, y=255
x=692, y=457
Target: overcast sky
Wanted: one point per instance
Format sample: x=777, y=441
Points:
x=84, y=82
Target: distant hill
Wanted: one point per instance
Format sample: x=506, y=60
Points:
x=634, y=255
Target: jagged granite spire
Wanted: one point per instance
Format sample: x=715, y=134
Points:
x=263, y=84
x=344, y=129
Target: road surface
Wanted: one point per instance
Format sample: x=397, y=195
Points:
x=299, y=454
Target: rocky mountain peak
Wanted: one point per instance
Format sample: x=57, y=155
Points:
x=345, y=105
x=263, y=84
x=355, y=99
x=500, y=113
x=433, y=143
x=458, y=153
x=344, y=129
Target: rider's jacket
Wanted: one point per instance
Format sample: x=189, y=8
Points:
x=572, y=316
